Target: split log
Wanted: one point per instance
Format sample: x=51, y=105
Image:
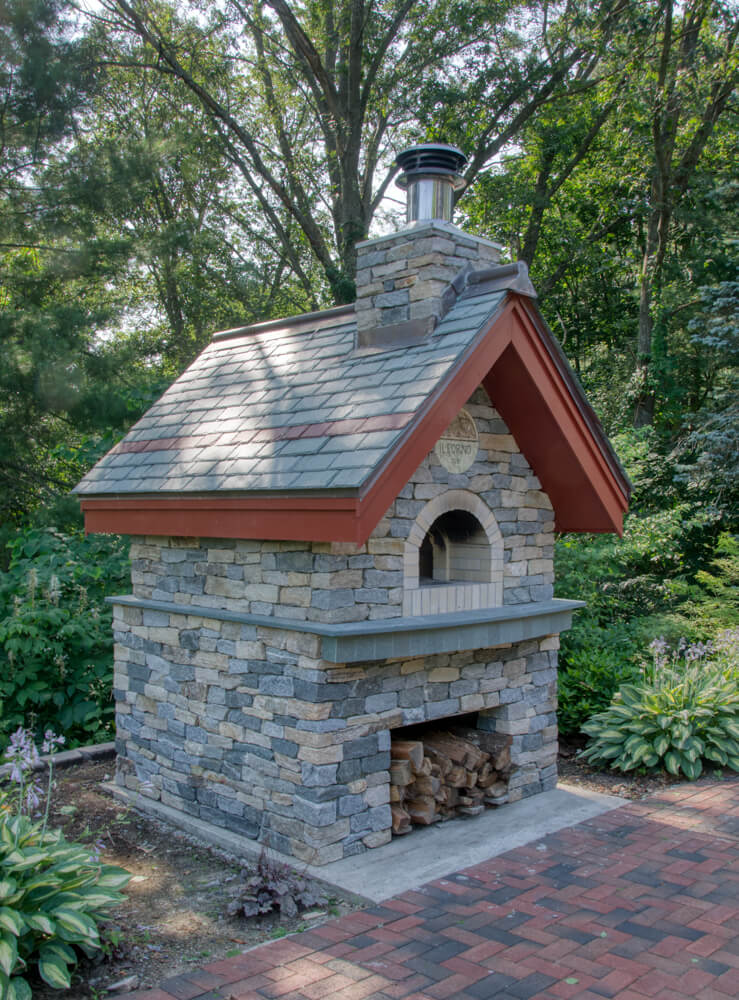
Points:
x=401, y=772
x=422, y=810
x=401, y=822
x=425, y=785
x=410, y=750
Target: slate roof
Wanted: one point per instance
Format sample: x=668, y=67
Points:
x=289, y=405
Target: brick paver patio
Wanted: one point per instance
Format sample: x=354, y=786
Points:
x=641, y=902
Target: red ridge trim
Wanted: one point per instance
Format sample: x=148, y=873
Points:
x=382, y=422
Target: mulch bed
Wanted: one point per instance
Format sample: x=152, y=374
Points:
x=628, y=786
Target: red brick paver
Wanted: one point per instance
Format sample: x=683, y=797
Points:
x=641, y=903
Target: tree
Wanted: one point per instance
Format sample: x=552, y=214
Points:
x=688, y=89
x=310, y=101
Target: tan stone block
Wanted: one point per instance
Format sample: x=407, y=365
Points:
x=357, y=787
x=231, y=731
x=550, y=642
x=412, y=666
x=298, y=597
x=309, y=739
x=221, y=555
x=511, y=498
x=388, y=562
x=208, y=667
x=311, y=712
x=443, y=674
x=347, y=549
x=377, y=838
x=321, y=755
x=471, y=702
x=535, y=498
x=386, y=546
x=499, y=443
x=317, y=855
x=168, y=636
x=221, y=586
x=340, y=580
x=266, y=592
x=528, y=514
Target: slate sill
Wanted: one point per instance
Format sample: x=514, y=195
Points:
x=392, y=638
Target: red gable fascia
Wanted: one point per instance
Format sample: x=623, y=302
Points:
x=528, y=388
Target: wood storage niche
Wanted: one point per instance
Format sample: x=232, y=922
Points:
x=446, y=769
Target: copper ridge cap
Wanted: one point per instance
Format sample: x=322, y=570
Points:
x=287, y=323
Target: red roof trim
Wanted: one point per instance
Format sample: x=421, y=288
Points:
x=532, y=396
x=319, y=519
x=528, y=388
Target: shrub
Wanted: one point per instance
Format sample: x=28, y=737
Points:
x=56, y=643
x=53, y=892
x=274, y=886
x=594, y=662
x=684, y=711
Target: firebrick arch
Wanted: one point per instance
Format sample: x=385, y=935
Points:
x=455, y=595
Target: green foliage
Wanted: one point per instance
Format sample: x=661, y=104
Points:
x=53, y=893
x=55, y=633
x=681, y=714
x=597, y=660
x=669, y=573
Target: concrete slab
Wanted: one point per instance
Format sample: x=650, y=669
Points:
x=431, y=852
x=426, y=854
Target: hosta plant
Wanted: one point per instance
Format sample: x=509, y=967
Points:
x=53, y=892
x=681, y=714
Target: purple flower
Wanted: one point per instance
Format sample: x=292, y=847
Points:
x=21, y=753
x=52, y=741
x=33, y=797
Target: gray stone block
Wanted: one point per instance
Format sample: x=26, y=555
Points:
x=276, y=685
x=297, y=562
x=366, y=746
x=329, y=600
x=314, y=813
x=381, y=703
x=318, y=775
x=378, y=818
x=351, y=804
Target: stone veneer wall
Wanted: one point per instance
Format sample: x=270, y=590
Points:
x=246, y=728
x=342, y=582
x=243, y=725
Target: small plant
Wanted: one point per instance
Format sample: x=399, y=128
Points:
x=683, y=711
x=274, y=886
x=53, y=893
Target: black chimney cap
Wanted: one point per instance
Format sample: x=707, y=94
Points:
x=428, y=159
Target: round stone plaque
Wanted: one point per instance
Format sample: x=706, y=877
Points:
x=457, y=448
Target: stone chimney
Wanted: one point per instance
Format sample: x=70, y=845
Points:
x=406, y=281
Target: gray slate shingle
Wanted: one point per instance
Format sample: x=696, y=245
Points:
x=209, y=421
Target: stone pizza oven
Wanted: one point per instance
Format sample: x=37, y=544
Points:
x=343, y=524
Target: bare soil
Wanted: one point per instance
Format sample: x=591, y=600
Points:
x=174, y=917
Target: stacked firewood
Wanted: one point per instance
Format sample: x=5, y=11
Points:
x=446, y=774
